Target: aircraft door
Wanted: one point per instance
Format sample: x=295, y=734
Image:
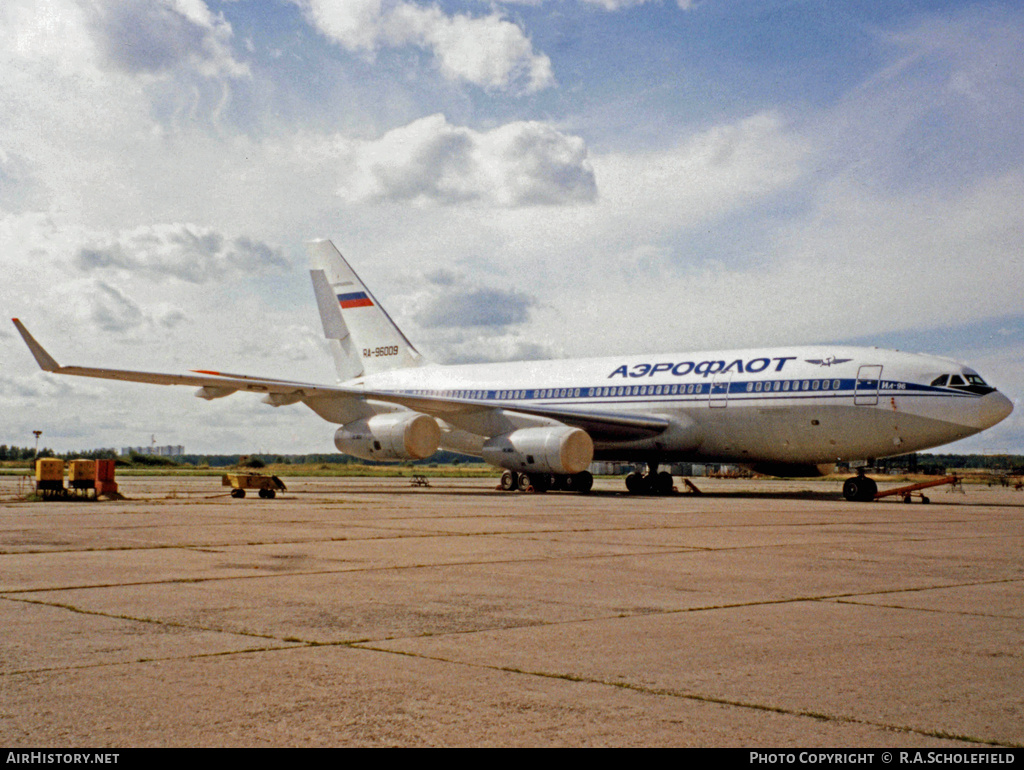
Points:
x=718, y=396
x=865, y=390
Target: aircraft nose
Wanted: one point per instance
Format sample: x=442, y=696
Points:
x=994, y=407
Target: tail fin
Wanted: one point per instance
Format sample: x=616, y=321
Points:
x=376, y=344
x=346, y=357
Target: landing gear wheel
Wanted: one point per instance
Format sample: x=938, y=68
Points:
x=636, y=484
x=860, y=489
x=538, y=482
x=581, y=482
x=509, y=481
x=870, y=488
x=663, y=483
x=238, y=493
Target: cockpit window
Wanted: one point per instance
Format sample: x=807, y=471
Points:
x=964, y=382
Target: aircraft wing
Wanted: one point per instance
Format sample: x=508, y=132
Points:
x=602, y=426
x=216, y=382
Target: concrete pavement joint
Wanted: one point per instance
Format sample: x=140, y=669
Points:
x=701, y=698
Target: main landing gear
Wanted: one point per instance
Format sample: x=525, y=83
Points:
x=860, y=489
x=650, y=483
x=581, y=482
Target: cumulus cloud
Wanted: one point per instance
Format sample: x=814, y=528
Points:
x=481, y=307
x=19, y=188
x=457, y=320
x=14, y=390
x=110, y=309
x=609, y=5
x=451, y=300
x=161, y=36
x=618, y=5
x=487, y=51
x=462, y=348
x=518, y=164
x=182, y=251
x=108, y=306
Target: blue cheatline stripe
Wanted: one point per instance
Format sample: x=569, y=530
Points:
x=699, y=392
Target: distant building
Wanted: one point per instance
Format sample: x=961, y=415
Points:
x=601, y=468
x=162, y=451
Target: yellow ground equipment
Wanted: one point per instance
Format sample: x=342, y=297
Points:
x=82, y=477
x=268, y=486
x=50, y=478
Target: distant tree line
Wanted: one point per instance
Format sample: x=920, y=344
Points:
x=988, y=462
x=911, y=463
x=939, y=463
x=13, y=453
x=261, y=460
x=22, y=453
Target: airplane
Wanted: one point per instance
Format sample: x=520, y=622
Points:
x=790, y=412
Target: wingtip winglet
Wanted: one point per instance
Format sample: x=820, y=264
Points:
x=45, y=360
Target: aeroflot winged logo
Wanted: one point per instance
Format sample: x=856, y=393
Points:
x=827, y=361
x=355, y=299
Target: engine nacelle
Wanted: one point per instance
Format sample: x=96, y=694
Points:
x=541, y=450
x=392, y=436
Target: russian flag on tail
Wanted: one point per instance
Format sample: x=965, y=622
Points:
x=355, y=299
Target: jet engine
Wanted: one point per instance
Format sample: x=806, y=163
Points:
x=561, y=450
x=392, y=436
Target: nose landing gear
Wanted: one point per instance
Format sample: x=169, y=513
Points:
x=860, y=488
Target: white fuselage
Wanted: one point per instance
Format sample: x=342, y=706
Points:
x=799, y=405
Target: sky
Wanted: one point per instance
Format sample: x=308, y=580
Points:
x=514, y=179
